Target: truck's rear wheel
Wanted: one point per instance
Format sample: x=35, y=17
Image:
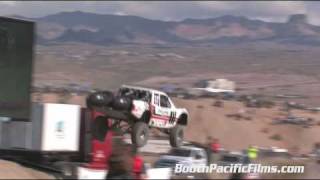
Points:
x=99, y=99
x=140, y=134
x=176, y=136
x=122, y=103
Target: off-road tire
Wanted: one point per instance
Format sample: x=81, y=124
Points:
x=122, y=103
x=140, y=134
x=145, y=117
x=176, y=136
x=99, y=99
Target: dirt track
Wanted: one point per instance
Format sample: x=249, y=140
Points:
x=10, y=170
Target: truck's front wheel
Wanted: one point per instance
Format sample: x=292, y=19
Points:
x=176, y=136
x=140, y=134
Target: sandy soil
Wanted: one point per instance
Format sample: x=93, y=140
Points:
x=10, y=170
x=209, y=120
x=238, y=134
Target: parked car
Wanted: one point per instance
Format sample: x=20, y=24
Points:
x=229, y=158
x=186, y=155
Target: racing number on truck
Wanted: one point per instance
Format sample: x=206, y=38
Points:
x=172, y=117
x=156, y=99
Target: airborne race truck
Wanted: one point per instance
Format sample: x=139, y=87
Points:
x=141, y=109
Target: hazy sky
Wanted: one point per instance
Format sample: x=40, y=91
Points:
x=270, y=11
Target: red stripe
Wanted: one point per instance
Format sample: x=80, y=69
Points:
x=165, y=118
x=160, y=117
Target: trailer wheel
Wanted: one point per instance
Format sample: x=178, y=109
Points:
x=140, y=134
x=176, y=136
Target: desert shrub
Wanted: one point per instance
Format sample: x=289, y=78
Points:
x=276, y=137
x=64, y=98
x=248, y=118
x=265, y=130
x=200, y=107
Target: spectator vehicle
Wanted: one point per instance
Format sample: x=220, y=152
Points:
x=186, y=155
x=229, y=158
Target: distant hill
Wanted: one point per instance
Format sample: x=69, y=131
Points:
x=109, y=29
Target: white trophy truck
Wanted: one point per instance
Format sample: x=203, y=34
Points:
x=142, y=109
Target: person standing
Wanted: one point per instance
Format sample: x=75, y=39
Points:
x=252, y=152
x=316, y=151
x=120, y=161
x=208, y=149
x=139, y=169
x=215, y=148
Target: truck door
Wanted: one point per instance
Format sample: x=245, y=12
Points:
x=162, y=107
x=172, y=109
x=165, y=108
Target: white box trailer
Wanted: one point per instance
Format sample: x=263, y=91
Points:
x=57, y=139
x=53, y=128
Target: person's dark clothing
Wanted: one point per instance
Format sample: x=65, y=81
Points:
x=237, y=176
x=209, y=154
x=119, y=175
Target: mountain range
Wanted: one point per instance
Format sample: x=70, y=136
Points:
x=115, y=29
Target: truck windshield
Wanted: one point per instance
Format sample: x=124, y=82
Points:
x=165, y=163
x=230, y=159
x=180, y=152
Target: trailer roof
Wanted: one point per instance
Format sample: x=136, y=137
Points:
x=2, y=18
